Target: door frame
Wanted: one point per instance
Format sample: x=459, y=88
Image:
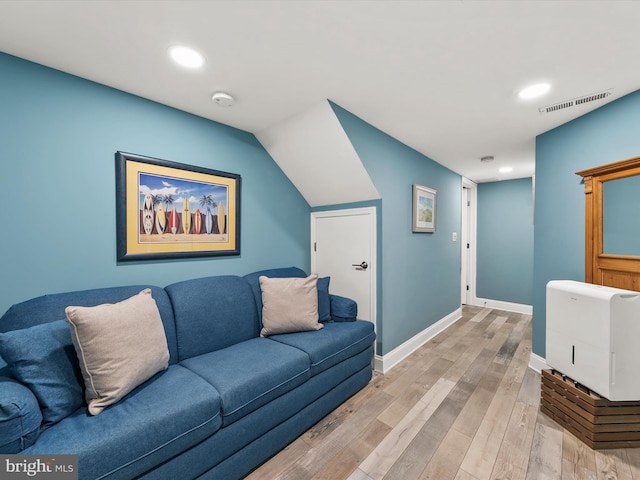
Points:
x=371, y=213
x=469, y=235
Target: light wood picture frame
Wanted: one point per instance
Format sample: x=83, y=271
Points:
x=424, y=209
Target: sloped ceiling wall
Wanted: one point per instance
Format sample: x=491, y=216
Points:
x=313, y=150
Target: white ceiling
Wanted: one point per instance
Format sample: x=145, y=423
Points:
x=440, y=76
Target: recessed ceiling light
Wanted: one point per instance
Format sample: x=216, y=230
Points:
x=187, y=57
x=505, y=169
x=534, y=91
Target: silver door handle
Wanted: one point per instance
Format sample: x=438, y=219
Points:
x=361, y=266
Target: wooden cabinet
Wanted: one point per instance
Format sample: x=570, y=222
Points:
x=608, y=268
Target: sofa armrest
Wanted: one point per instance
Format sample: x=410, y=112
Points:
x=20, y=416
x=343, y=309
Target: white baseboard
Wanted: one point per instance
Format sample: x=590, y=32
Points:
x=387, y=362
x=508, y=306
x=537, y=363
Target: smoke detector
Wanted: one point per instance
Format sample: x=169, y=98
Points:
x=223, y=99
x=576, y=101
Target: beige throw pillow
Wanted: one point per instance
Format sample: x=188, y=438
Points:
x=119, y=346
x=289, y=305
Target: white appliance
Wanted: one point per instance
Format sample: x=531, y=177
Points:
x=593, y=337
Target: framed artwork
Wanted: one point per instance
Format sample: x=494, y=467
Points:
x=424, y=209
x=167, y=209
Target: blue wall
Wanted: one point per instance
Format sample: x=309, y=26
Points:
x=420, y=272
x=58, y=136
x=504, y=266
x=606, y=135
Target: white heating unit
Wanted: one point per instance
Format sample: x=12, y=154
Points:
x=593, y=337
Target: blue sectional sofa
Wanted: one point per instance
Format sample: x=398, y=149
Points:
x=228, y=401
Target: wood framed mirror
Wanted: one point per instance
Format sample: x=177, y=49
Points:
x=612, y=224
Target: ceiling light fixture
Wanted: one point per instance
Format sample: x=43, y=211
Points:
x=534, y=91
x=486, y=158
x=187, y=57
x=505, y=169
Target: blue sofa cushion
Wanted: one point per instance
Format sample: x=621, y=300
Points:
x=212, y=313
x=167, y=415
x=20, y=417
x=324, y=301
x=316, y=397
x=43, y=358
x=250, y=374
x=51, y=307
x=336, y=342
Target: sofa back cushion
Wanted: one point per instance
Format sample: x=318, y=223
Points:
x=212, y=313
x=49, y=308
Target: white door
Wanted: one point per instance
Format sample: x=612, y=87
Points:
x=343, y=247
x=468, y=244
x=465, y=260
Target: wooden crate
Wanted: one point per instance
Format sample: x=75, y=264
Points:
x=598, y=422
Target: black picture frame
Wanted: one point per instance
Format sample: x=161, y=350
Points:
x=145, y=231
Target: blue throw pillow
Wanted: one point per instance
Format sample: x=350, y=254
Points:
x=324, y=303
x=44, y=359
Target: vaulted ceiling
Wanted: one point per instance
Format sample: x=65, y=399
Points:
x=441, y=76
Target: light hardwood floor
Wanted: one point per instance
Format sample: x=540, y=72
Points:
x=464, y=406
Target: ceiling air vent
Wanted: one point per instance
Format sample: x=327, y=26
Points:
x=576, y=101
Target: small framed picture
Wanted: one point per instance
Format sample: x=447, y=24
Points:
x=424, y=209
